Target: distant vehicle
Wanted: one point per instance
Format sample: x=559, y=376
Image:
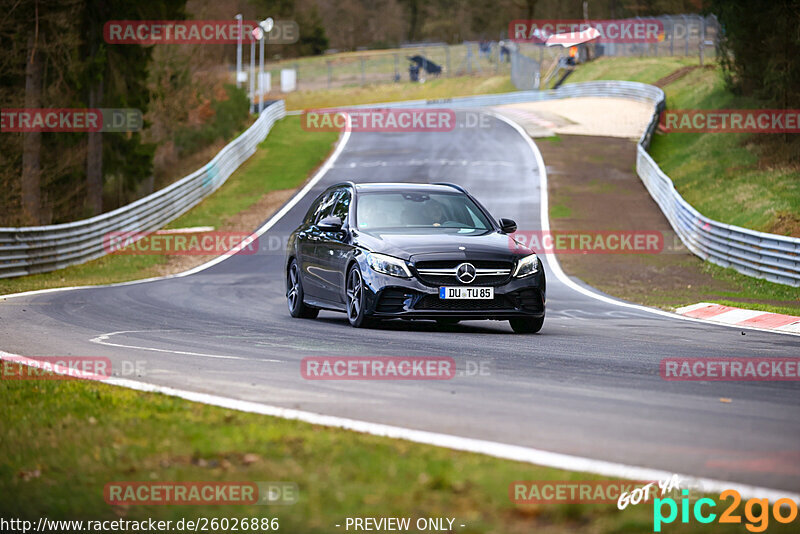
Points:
x=411, y=251
x=413, y=73
x=426, y=64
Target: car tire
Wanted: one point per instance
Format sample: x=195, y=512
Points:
x=526, y=325
x=294, y=294
x=356, y=298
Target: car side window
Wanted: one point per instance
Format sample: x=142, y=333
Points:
x=342, y=208
x=325, y=207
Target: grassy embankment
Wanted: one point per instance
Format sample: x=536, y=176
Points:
x=64, y=440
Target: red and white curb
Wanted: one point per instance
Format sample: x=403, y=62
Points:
x=740, y=317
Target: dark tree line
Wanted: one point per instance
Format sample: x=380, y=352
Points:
x=54, y=56
x=391, y=22
x=760, y=51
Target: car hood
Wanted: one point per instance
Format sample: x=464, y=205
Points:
x=445, y=246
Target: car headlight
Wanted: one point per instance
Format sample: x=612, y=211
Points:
x=527, y=266
x=388, y=265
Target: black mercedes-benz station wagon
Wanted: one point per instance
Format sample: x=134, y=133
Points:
x=411, y=251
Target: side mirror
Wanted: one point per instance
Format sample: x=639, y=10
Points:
x=330, y=224
x=508, y=226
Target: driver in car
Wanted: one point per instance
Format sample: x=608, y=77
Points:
x=435, y=213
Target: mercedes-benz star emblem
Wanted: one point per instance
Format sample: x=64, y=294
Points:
x=466, y=273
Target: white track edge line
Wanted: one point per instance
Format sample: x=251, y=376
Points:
x=556, y=267
x=102, y=339
x=489, y=448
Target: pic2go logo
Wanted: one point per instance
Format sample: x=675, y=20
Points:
x=758, y=521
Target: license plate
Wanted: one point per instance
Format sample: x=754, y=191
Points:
x=466, y=293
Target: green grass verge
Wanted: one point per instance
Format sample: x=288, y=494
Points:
x=371, y=94
x=631, y=69
x=780, y=298
x=550, y=139
x=740, y=291
x=560, y=211
x=64, y=440
x=283, y=161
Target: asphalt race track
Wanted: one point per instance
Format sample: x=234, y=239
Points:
x=587, y=385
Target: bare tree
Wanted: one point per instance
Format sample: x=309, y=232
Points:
x=32, y=141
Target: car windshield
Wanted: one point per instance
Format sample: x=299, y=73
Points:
x=435, y=212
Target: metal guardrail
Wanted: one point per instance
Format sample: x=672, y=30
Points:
x=772, y=257
x=630, y=90
x=769, y=256
x=38, y=249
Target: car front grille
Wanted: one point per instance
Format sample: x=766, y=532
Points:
x=433, y=302
x=488, y=273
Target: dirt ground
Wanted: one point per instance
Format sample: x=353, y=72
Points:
x=617, y=117
x=593, y=186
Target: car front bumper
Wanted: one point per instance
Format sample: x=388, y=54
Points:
x=392, y=297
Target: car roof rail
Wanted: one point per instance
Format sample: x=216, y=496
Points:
x=340, y=184
x=454, y=186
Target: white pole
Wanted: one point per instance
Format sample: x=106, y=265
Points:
x=239, y=51
x=265, y=26
x=252, y=71
x=261, y=74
